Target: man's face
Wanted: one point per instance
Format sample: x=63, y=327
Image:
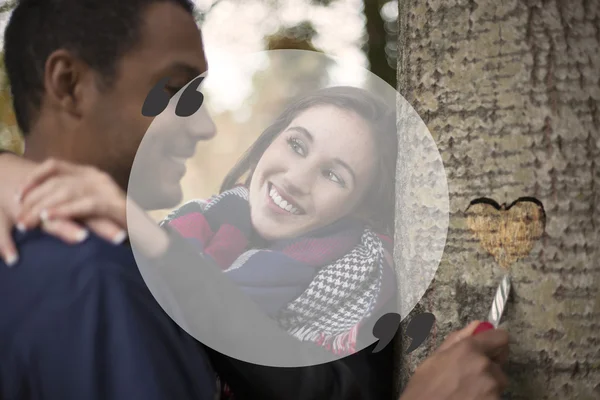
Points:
x=170, y=46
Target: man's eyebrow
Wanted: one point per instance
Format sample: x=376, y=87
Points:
x=336, y=160
x=184, y=69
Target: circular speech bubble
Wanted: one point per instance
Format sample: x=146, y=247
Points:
x=320, y=205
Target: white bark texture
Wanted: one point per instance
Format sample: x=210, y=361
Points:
x=511, y=95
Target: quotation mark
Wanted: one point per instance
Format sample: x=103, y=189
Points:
x=157, y=100
x=385, y=329
x=418, y=329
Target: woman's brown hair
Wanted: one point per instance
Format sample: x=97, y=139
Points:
x=378, y=206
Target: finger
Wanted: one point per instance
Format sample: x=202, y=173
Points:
x=500, y=356
x=459, y=335
x=469, y=329
x=43, y=171
x=107, y=229
x=486, y=379
x=46, y=169
x=499, y=377
x=66, y=230
x=484, y=387
x=493, y=343
x=41, y=198
x=87, y=207
x=67, y=183
x=83, y=207
x=8, y=250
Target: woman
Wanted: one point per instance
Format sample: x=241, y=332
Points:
x=307, y=233
x=360, y=376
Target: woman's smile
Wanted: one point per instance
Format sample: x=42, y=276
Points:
x=280, y=202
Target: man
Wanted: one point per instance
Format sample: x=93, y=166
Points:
x=98, y=61
x=78, y=321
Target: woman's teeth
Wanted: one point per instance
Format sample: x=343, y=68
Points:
x=179, y=160
x=282, y=203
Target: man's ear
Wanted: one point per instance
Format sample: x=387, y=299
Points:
x=67, y=80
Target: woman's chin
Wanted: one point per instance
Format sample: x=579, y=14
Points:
x=272, y=227
x=271, y=230
x=267, y=230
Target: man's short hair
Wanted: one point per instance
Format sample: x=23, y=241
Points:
x=100, y=32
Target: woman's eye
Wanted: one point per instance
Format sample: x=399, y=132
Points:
x=296, y=146
x=335, y=178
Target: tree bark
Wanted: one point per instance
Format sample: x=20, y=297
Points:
x=510, y=92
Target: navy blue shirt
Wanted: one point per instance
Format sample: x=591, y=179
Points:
x=78, y=322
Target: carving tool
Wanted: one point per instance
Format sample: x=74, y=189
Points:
x=498, y=306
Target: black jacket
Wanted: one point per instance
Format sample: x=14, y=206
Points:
x=362, y=376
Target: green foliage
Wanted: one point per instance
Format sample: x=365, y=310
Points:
x=297, y=37
x=7, y=6
x=10, y=137
x=325, y=3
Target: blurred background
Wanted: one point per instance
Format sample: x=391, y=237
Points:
x=353, y=37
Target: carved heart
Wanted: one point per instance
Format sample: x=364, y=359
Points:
x=507, y=233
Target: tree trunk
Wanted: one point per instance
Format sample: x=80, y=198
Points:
x=510, y=93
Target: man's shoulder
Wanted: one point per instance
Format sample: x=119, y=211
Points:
x=48, y=265
x=37, y=247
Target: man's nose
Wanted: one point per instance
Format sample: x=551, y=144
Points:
x=200, y=125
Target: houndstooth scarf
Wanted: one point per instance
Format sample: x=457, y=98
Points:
x=320, y=287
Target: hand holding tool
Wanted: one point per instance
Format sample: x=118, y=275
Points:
x=498, y=306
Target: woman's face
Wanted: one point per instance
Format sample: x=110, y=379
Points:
x=314, y=173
